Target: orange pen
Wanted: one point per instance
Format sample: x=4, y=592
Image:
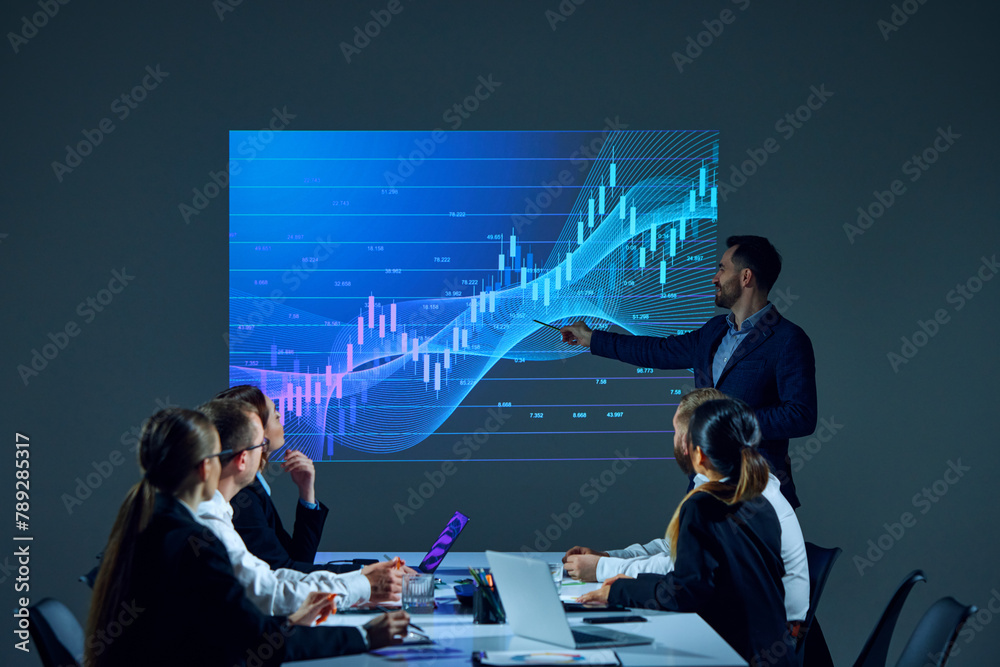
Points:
x=325, y=615
x=397, y=562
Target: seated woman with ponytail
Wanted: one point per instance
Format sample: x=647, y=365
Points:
x=167, y=596
x=727, y=551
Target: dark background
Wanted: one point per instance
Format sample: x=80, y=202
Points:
x=162, y=339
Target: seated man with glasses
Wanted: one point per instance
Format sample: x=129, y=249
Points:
x=254, y=513
x=273, y=591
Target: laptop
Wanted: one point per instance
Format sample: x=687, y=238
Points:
x=441, y=546
x=534, y=610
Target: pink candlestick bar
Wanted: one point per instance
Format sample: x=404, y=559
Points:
x=361, y=330
x=316, y=394
x=308, y=387
x=339, y=386
x=437, y=375
x=392, y=317
x=350, y=358
x=416, y=351
x=298, y=401
x=381, y=326
x=427, y=368
x=371, y=311
x=329, y=377
x=404, y=348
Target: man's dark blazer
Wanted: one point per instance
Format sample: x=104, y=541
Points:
x=773, y=370
x=256, y=520
x=184, y=606
x=728, y=570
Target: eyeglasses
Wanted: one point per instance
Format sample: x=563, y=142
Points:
x=263, y=444
x=229, y=452
x=220, y=454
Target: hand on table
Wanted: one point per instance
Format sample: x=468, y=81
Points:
x=584, y=551
x=316, y=608
x=387, y=629
x=602, y=593
x=582, y=567
x=386, y=580
x=303, y=473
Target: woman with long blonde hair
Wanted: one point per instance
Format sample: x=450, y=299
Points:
x=726, y=550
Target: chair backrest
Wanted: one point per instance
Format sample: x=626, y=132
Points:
x=935, y=632
x=57, y=634
x=821, y=562
x=876, y=649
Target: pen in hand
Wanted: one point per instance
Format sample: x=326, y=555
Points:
x=547, y=325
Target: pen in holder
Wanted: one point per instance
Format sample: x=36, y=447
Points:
x=486, y=605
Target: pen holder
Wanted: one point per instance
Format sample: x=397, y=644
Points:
x=483, y=610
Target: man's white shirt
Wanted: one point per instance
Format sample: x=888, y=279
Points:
x=282, y=591
x=654, y=557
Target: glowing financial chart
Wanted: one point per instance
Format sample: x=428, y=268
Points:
x=383, y=287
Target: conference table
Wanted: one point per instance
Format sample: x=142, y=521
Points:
x=680, y=639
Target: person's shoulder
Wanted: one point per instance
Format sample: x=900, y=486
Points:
x=252, y=496
x=174, y=534
x=704, y=505
x=786, y=327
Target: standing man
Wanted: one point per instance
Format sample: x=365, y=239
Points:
x=753, y=353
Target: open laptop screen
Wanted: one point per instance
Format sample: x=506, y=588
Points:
x=443, y=543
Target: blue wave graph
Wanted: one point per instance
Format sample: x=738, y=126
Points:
x=371, y=290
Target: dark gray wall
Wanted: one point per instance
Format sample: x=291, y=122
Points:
x=160, y=340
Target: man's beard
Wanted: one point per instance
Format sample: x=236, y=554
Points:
x=683, y=460
x=727, y=295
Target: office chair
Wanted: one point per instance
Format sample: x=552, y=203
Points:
x=935, y=633
x=57, y=634
x=876, y=649
x=821, y=562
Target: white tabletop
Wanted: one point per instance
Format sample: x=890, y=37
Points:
x=680, y=639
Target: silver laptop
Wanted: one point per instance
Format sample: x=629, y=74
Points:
x=535, y=611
